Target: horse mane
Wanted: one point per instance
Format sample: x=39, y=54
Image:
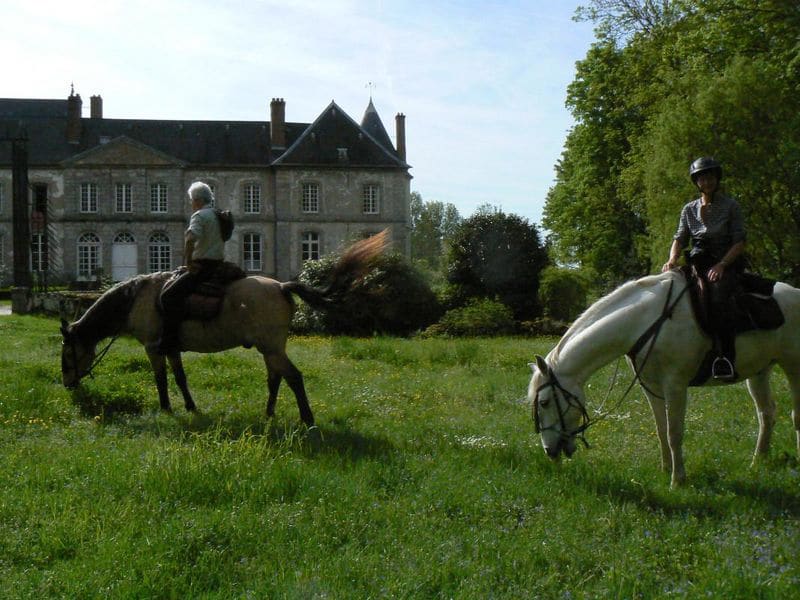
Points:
x=107, y=316
x=601, y=308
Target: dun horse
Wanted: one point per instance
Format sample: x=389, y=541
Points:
x=255, y=312
x=665, y=366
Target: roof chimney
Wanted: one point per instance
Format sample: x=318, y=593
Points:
x=277, y=124
x=74, y=107
x=400, y=126
x=96, y=107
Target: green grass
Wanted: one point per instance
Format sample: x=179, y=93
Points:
x=426, y=481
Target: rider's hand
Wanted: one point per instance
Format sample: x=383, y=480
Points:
x=668, y=266
x=715, y=273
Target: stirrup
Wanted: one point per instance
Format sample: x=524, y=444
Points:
x=722, y=368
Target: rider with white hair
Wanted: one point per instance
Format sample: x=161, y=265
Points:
x=714, y=224
x=204, y=251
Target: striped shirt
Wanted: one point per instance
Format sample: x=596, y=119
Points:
x=722, y=228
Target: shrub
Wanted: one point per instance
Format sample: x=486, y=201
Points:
x=562, y=293
x=392, y=298
x=480, y=316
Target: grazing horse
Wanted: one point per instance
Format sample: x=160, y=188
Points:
x=655, y=309
x=255, y=312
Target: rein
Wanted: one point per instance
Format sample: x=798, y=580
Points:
x=651, y=335
x=571, y=400
x=99, y=357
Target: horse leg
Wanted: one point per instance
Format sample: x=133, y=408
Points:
x=794, y=386
x=660, y=413
x=159, y=365
x=758, y=386
x=180, y=378
x=281, y=366
x=273, y=384
x=676, y=416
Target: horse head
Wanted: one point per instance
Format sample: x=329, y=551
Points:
x=559, y=415
x=77, y=357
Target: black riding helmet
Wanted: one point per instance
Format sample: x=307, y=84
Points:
x=703, y=164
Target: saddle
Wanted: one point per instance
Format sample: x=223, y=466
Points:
x=205, y=301
x=752, y=308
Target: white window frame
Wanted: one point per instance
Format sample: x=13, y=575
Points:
x=38, y=252
x=252, y=252
x=309, y=202
x=159, y=252
x=123, y=198
x=309, y=246
x=159, y=198
x=124, y=237
x=251, y=197
x=371, y=196
x=88, y=250
x=88, y=197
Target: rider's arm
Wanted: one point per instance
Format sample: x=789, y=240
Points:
x=188, y=248
x=674, y=255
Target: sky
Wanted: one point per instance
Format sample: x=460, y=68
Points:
x=482, y=83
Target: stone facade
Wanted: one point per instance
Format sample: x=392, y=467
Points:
x=116, y=200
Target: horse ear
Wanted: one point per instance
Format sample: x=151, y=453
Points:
x=542, y=365
x=64, y=327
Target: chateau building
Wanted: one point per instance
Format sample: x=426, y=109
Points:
x=108, y=196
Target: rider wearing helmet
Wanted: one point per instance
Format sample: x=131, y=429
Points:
x=714, y=225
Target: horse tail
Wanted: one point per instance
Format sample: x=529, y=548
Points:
x=348, y=270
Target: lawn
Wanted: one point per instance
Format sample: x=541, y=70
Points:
x=425, y=480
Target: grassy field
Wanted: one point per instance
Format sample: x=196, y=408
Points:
x=427, y=481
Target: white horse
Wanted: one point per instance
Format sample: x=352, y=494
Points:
x=665, y=364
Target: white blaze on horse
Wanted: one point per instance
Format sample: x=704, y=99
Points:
x=255, y=312
x=665, y=365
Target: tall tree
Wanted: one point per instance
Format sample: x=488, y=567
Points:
x=668, y=81
x=432, y=225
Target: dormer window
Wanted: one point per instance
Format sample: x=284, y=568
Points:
x=341, y=155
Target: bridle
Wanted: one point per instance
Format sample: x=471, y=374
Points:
x=69, y=340
x=570, y=401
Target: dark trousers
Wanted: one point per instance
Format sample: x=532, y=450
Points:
x=173, y=299
x=721, y=304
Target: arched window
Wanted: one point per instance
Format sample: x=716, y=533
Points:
x=124, y=237
x=309, y=246
x=88, y=255
x=159, y=253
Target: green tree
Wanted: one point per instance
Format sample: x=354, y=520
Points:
x=495, y=255
x=432, y=225
x=668, y=81
x=563, y=293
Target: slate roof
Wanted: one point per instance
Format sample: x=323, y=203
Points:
x=201, y=143
x=335, y=139
x=371, y=123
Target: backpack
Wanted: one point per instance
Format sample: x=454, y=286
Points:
x=225, y=219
